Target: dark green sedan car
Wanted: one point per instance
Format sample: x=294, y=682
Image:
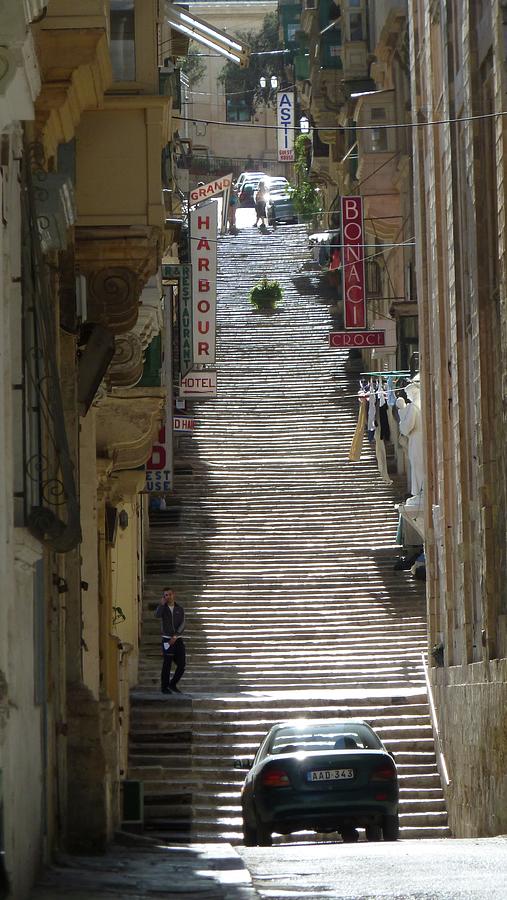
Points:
x=281, y=209
x=321, y=775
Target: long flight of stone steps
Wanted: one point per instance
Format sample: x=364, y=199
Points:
x=282, y=554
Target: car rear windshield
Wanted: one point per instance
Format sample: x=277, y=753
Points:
x=316, y=738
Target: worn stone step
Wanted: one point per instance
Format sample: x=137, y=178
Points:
x=283, y=555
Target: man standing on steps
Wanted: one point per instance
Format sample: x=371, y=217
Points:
x=173, y=647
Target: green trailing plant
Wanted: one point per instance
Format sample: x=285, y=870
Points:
x=305, y=196
x=266, y=294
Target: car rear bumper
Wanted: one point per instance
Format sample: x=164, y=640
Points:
x=327, y=820
x=324, y=812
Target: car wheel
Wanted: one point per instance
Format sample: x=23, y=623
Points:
x=350, y=835
x=373, y=833
x=391, y=828
x=249, y=835
x=264, y=838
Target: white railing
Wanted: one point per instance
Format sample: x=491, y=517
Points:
x=441, y=763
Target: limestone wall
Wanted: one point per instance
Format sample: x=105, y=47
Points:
x=471, y=706
x=21, y=746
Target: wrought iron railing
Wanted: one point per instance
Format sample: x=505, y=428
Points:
x=49, y=496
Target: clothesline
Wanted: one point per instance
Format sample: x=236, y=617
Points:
x=367, y=392
x=396, y=373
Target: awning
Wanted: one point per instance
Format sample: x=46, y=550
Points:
x=208, y=35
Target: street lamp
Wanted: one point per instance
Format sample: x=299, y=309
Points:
x=273, y=82
x=304, y=125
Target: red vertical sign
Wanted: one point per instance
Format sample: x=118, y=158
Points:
x=354, y=280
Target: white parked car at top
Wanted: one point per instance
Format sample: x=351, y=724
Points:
x=248, y=176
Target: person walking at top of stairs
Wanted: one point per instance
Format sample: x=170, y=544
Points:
x=261, y=200
x=173, y=646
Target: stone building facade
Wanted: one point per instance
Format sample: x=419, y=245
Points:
x=86, y=222
x=350, y=63
x=458, y=77
x=362, y=65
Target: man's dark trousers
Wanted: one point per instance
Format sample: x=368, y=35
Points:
x=177, y=653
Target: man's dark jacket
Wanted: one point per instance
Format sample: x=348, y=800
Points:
x=173, y=623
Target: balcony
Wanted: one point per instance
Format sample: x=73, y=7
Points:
x=121, y=220
x=135, y=130
x=73, y=52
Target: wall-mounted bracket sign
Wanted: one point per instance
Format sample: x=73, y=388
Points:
x=183, y=423
x=350, y=339
x=199, y=384
x=182, y=274
x=354, y=278
x=203, y=254
x=285, y=125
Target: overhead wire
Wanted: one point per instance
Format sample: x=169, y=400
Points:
x=355, y=128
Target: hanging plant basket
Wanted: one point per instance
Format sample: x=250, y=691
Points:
x=266, y=294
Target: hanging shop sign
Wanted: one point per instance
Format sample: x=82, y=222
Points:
x=183, y=423
x=159, y=468
x=185, y=321
x=285, y=125
x=212, y=189
x=182, y=276
x=203, y=256
x=349, y=339
x=220, y=186
x=354, y=279
x=199, y=384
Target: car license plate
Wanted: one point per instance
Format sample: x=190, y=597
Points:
x=329, y=774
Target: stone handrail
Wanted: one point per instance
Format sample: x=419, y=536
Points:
x=441, y=763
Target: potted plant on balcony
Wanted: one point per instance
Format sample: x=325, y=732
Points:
x=266, y=294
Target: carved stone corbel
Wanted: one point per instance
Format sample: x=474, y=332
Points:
x=113, y=298
x=126, y=367
x=117, y=263
x=127, y=425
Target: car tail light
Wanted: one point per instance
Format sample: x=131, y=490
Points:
x=275, y=778
x=384, y=772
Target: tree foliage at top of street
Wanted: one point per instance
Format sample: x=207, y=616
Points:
x=246, y=81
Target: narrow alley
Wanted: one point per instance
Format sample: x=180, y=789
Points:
x=320, y=485
x=281, y=552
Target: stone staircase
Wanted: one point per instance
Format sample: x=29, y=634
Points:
x=282, y=554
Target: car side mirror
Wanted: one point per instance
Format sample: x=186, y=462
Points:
x=244, y=764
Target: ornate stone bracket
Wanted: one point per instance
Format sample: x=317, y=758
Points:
x=117, y=263
x=126, y=367
x=127, y=425
x=113, y=296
